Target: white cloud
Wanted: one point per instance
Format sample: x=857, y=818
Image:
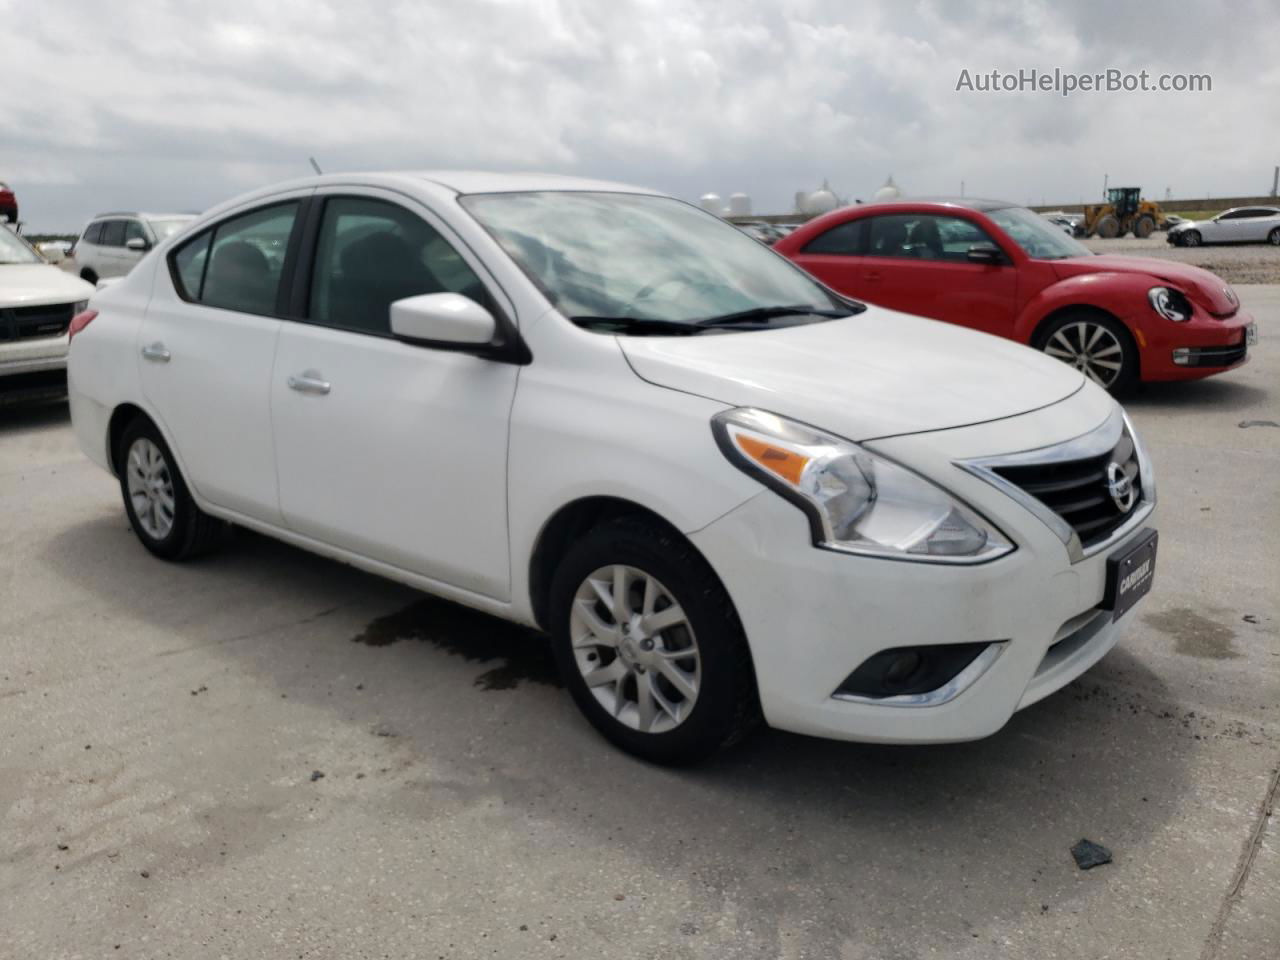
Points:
x=180, y=105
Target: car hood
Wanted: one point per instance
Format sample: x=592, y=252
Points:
x=876, y=374
x=1209, y=291
x=33, y=284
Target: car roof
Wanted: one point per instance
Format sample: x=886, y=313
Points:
x=970, y=203
x=142, y=215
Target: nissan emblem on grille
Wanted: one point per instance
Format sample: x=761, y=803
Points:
x=1120, y=487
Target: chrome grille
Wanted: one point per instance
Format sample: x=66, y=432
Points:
x=1081, y=491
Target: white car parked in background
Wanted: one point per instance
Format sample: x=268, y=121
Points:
x=112, y=243
x=724, y=490
x=1237, y=225
x=37, y=302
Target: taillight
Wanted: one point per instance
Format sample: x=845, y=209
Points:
x=79, y=322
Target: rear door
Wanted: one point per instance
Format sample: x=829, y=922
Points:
x=835, y=257
x=110, y=258
x=206, y=347
x=395, y=451
x=918, y=263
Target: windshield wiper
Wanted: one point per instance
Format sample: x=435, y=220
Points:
x=759, y=314
x=640, y=325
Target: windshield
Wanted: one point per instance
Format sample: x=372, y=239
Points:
x=13, y=249
x=642, y=262
x=164, y=229
x=1037, y=236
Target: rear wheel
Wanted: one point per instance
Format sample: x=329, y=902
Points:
x=649, y=644
x=88, y=275
x=1273, y=237
x=1097, y=345
x=1144, y=226
x=1191, y=238
x=160, y=508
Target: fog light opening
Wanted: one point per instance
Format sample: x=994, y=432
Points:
x=918, y=675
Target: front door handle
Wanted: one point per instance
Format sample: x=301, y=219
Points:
x=309, y=381
x=871, y=275
x=157, y=352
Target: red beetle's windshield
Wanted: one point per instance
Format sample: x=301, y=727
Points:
x=1037, y=236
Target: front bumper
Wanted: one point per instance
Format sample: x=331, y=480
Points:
x=33, y=356
x=813, y=616
x=1201, y=347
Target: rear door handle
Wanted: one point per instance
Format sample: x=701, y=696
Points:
x=157, y=352
x=309, y=381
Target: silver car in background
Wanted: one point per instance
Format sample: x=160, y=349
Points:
x=1237, y=225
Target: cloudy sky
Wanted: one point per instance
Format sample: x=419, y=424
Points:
x=178, y=105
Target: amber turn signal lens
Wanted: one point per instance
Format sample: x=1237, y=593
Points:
x=778, y=460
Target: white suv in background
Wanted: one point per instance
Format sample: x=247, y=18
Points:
x=113, y=242
x=37, y=302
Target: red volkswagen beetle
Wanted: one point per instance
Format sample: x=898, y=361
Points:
x=1005, y=270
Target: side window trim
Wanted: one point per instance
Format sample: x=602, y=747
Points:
x=211, y=231
x=508, y=346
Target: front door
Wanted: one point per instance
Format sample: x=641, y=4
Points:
x=918, y=263
x=394, y=451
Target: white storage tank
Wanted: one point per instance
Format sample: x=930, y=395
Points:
x=889, y=191
x=820, y=201
x=739, y=205
x=712, y=203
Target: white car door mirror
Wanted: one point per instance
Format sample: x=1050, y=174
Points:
x=444, y=320
x=138, y=244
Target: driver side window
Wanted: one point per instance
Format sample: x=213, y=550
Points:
x=924, y=236
x=369, y=254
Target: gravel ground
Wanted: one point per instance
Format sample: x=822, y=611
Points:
x=264, y=754
x=1237, y=263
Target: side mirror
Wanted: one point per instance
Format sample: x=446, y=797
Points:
x=445, y=320
x=137, y=243
x=987, y=253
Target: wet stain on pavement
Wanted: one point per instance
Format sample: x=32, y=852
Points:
x=1195, y=635
x=474, y=636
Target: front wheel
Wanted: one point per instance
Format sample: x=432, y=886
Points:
x=1098, y=346
x=1191, y=238
x=1273, y=237
x=160, y=508
x=649, y=644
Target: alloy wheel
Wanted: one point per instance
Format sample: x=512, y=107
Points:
x=1089, y=347
x=635, y=648
x=150, y=485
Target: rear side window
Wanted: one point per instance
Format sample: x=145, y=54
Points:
x=923, y=236
x=238, y=264
x=844, y=239
x=93, y=233
x=369, y=254
x=112, y=233
x=188, y=265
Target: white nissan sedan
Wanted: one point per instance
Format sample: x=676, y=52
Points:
x=726, y=492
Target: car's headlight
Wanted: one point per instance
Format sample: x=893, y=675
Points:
x=856, y=501
x=1170, y=303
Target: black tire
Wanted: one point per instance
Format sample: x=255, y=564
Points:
x=1190, y=238
x=1126, y=378
x=1108, y=227
x=1273, y=237
x=89, y=276
x=1144, y=226
x=727, y=705
x=193, y=531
